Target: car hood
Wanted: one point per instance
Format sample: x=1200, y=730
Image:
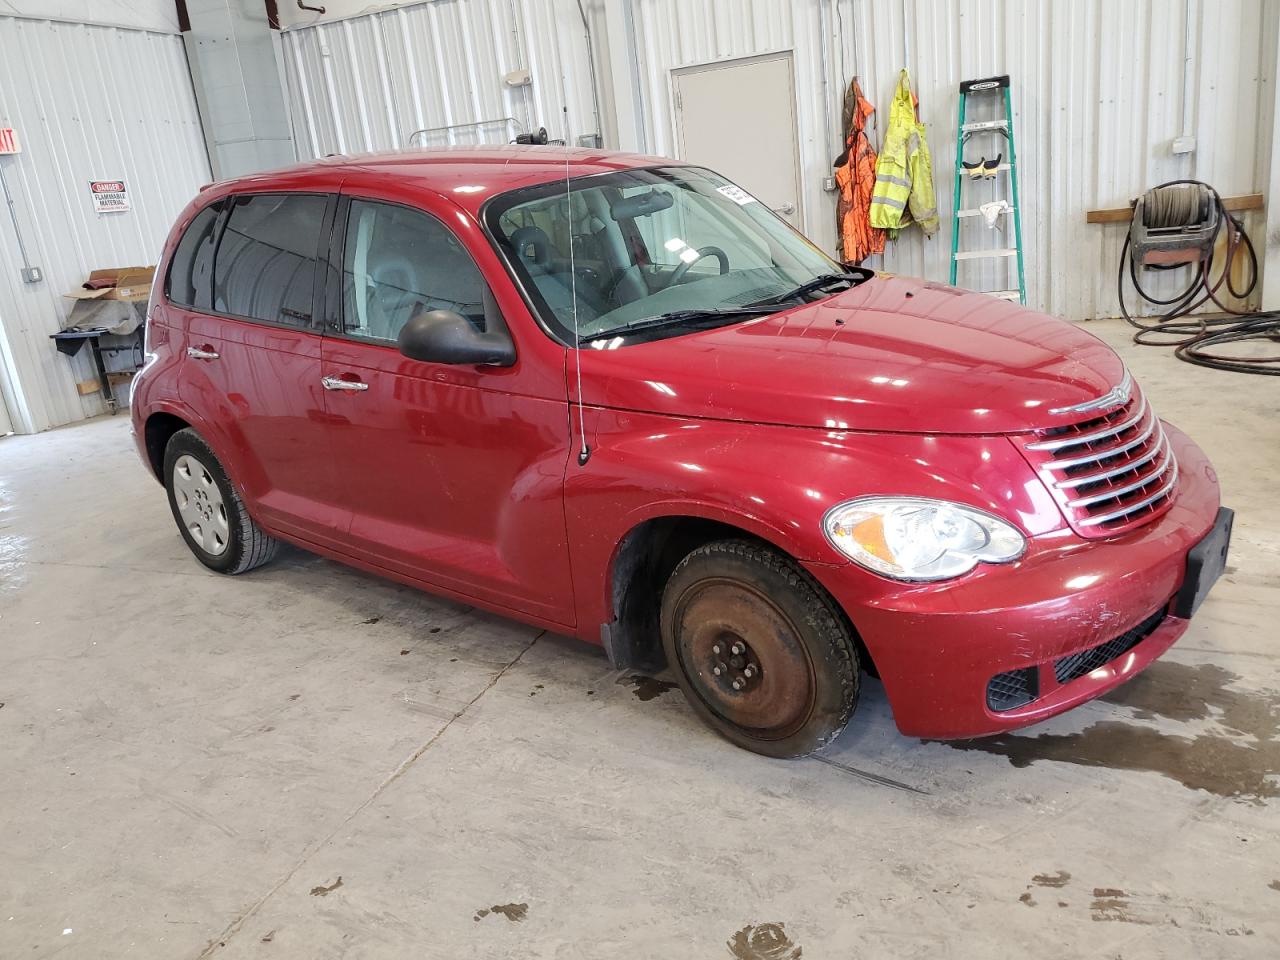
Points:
x=892, y=354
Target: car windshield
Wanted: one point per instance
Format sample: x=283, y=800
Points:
x=655, y=252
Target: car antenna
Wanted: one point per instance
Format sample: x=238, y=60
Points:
x=584, y=454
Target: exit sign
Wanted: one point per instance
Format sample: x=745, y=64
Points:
x=9, y=141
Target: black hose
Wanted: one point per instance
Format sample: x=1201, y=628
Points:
x=1194, y=338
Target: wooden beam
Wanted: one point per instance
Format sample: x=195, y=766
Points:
x=1249, y=201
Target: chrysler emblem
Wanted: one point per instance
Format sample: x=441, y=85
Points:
x=1116, y=396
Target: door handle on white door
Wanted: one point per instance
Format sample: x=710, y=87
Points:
x=337, y=383
x=197, y=353
x=786, y=209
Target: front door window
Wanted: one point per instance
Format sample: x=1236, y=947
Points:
x=399, y=261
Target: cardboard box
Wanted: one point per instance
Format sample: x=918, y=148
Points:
x=131, y=284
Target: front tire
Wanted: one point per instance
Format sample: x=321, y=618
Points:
x=761, y=651
x=209, y=512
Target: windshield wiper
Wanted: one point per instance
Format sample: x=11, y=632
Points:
x=818, y=283
x=681, y=318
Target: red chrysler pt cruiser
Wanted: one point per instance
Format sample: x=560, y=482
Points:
x=617, y=397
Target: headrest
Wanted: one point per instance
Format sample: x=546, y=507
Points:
x=536, y=238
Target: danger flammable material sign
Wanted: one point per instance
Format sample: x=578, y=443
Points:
x=109, y=196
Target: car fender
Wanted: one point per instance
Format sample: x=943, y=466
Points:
x=772, y=482
x=217, y=439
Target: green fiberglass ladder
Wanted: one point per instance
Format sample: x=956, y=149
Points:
x=996, y=211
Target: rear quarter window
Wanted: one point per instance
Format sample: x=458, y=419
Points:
x=188, y=283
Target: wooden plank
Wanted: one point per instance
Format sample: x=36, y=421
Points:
x=1248, y=201
x=87, y=387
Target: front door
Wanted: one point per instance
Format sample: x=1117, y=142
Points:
x=738, y=118
x=454, y=473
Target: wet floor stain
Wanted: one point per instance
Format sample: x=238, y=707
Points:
x=1245, y=769
x=1274, y=884
x=1027, y=899
x=324, y=891
x=515, y=912
x=1058, y=879
x=1185, y=692
x=763, y=941
x=404, y=652
x=646, y=688
x=295, y=696
x=372, y=620
x=536, y=688
x=1216, y=764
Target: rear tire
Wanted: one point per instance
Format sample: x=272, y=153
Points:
x=209, y=512
x=760, y=650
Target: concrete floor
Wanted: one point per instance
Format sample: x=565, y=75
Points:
x=310, y=762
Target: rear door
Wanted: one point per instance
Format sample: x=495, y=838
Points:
x=454, y=473
x=253, y=359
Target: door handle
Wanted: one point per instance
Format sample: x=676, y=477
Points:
x=337, y=383
x=786, y=209
x=199, y=353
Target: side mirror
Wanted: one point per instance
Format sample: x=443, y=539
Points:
x=442, y=336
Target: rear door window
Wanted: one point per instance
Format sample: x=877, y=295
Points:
x=266, y=259
x=191, y=269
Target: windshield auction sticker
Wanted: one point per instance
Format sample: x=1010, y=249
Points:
x=736, y=194
x=109, y=196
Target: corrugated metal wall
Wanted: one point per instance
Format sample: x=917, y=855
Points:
x=368, y=82
x=1097, y=100
x=88, y=102
x=1098, y=96
x=671, y=34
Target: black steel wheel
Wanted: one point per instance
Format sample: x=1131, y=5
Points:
x=759, y=648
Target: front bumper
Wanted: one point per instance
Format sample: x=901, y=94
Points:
x=937, y=646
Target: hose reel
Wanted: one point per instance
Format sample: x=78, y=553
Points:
x=1178, y=224
x=1173, y=225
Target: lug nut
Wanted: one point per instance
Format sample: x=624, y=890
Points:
x=736, y=649
x=716, y=671
x=749, y=672
x=716, y=649
x=737, y=684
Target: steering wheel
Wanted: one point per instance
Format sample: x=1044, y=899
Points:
x=678, y=274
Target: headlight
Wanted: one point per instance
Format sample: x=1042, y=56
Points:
x=912, y=538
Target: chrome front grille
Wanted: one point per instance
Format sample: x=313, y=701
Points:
x=1111, y=472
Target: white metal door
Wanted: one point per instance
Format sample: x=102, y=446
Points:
x=738, y=117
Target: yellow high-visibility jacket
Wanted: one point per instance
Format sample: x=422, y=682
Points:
x=904, y=172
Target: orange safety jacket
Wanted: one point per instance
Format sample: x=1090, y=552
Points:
x=856, y=177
